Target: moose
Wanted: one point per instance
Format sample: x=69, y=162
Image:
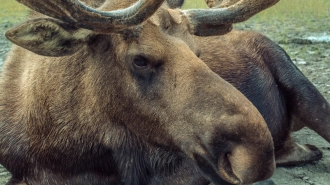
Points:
x=114, y=93
x=69, y=143
x=265, y=74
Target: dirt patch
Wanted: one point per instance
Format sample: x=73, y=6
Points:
x=312, y=58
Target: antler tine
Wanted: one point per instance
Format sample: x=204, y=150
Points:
x=77, y=13
x=219, y=19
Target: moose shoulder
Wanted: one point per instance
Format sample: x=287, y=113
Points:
x=107, y=96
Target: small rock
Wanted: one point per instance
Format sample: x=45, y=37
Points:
x=302, y=62
x=305, y=178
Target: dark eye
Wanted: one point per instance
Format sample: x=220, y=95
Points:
x=140, y=62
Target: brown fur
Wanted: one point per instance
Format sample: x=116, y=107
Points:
x=265, y=74
x=92, y=115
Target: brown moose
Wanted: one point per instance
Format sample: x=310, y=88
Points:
x=265, y=74
x=109, y=95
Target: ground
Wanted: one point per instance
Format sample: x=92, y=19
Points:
x=312, y=58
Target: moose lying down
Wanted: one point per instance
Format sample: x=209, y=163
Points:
x=108, y=96
x=113, y=96
x=265, y=74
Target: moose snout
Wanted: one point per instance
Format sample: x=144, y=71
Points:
x=236, y=155
x=237, y=166
x=228, y=138
x=242, y=166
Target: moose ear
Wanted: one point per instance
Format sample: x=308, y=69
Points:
x=176, y=16
x=48, y=37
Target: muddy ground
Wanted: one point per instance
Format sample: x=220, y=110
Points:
x=312, y=58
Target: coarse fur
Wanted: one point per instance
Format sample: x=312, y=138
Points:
x=287, y=100
x=129, y=107
x=265, y=74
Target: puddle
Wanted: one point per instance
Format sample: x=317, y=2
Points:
x=323, y=37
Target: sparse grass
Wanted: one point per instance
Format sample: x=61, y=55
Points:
x=284, y=9
x=190, y=4
x=284, y=17
x=309, y=10
x=11, y=11
x=285, y=20
x=299, y=9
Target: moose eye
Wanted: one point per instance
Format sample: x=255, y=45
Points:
x=140, y=62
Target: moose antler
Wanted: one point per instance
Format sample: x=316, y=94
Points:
x=80, y=15
x=218, y=20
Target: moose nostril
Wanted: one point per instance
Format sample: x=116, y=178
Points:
x=226, y=170
x=211, y=171
x=243, y=167
x=226, y=163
